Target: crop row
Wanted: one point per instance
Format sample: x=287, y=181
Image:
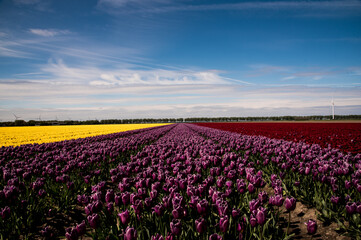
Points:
x=16, y=136
x=343, y=136
x=174, y=182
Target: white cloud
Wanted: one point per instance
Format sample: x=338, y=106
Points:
x=61, y=73
x=48, y=32
x=289, y=78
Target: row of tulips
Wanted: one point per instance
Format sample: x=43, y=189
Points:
x=174, y=182
x=322, y=177
x=40, y=183
x=186, y=186
x=344, y=136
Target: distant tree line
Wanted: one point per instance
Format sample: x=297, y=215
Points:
x=176, y=120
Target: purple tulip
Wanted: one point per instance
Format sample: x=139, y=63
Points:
x=130, y=234
x=215, y=236
x=261, y=216
x=253, y=220
x=348, y=184
x=71, y=234
x=311, y=226
x=178, y=212
x=42, y=193
x=110, y=207
x=126, y=198
x=223, y=224
x=335, y=200
x=290, y=203
x=202, y=207
x=251, y=188
x=176, y=227
x=81, y=228
x=201, y=225
x=351, y=207
x=254, y=204
x=159, y=209
x=157, y=237
x=276, y=200
x=263, y=196
x=5, y=213
x=94, y=220
x=124, y=217
x=109, y=196
x=236, y=213
x=47, y=233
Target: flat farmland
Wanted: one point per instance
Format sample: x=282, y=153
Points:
x=15, y=136
x=345, y=136
x=179, y=181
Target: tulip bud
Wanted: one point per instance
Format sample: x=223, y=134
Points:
x=290, y=204
x=176, y=227
x=201, y=225
x=130, y=234
x=261, y=216
x=93, y=220
x=124, y=217
x=223, y=224
x=311, y=226
x=202, y=207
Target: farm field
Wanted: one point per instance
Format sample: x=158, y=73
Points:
x=345, y=136
x=15, y=136
x=178, y=181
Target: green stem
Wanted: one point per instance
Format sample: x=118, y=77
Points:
x=289, y=220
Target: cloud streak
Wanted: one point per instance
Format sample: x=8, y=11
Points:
x=48, y=32
x=168, y=6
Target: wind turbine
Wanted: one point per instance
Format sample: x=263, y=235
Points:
x=333, y=109
x=16, y=117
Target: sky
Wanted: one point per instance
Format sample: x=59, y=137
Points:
x=106, y=59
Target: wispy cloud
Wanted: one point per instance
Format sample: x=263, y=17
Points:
x=48, y=32
x=168, y=6
x=258, y=70
x=63, y=74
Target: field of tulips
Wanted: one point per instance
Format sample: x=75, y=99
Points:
x=179, y=181
x=16, y=136
x=345, y=136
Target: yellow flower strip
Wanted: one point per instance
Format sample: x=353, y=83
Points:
x=15, y=136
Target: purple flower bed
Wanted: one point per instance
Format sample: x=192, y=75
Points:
x=178, y=181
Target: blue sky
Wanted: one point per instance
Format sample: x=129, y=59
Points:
x=154, y=59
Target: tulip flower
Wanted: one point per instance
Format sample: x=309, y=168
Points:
x=202, y=207
x=351, y=207
x=176, y=227
x=124, y=217
x=261, y=216
x=253, y=220
x=71, y=234
x=290, y=203
x=201, y=225
x=215, y=236
x=5, y=213
x=81, y=228
x=130, y=234
x=223, y=224
x=311, y=226
x=157, y=237
x=94, y=220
